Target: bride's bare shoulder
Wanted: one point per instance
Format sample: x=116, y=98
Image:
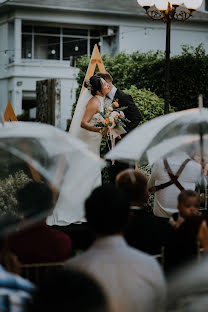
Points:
x=93, y=102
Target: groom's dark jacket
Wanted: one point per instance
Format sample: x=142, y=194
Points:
x=131, y=112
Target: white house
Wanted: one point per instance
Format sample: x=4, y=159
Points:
x=41, y=39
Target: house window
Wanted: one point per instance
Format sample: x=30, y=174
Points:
x=59, y=43
x=46, y=48
x=206, y=5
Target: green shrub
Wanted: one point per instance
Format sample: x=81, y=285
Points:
x=8, y=189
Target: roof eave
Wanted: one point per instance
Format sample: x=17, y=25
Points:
x=60, y=8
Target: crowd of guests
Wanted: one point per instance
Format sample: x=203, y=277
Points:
x=115, y=268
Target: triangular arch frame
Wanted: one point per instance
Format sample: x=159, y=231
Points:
x=9, y=114
x=96, y=60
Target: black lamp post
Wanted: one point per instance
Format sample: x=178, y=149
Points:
x=167, y=11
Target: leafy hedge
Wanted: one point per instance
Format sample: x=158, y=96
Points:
x=188, y=74
x=149, y=104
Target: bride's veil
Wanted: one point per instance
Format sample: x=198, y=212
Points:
x=75, y=128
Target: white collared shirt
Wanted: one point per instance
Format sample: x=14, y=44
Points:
x=165, y=201
x=110, y=96
x=132, y=280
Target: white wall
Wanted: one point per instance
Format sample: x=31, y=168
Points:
x=3, y=46
x=152, y=36
x=28, y=74
x=3, y=95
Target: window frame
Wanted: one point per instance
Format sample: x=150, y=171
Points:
x=61, y=36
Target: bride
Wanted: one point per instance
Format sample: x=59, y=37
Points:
x=70, y=208
x=87, y=111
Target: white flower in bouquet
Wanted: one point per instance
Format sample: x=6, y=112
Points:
x=111, y=119
x=115, y=115
x=121, y=115
x=100, y=119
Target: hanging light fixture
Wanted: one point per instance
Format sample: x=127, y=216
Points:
x=76, y=48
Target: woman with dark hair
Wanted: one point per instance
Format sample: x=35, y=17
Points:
x=98, y=87
x=90, y=104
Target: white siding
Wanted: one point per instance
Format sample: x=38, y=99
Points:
x=145, y=37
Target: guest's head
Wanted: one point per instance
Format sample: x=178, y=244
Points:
x=69, y=290
x=97, y=86
x=188, y=203
x=107, y=77
x=107, y=210
x=134, y=183
x=35, y=199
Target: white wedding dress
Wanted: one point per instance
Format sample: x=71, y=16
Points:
x=70, y=205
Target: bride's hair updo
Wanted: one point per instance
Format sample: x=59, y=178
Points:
x=94, y=85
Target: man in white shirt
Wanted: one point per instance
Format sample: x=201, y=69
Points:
x=165, y=202
x=132, y=280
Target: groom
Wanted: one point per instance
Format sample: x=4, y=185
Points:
x=131, y=113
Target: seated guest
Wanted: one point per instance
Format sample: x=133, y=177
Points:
x=15, y=291
x=181, y=246
x=38, y=243
x=132, y=280
x=69, y=290
x=188, y=206
x=144, y=231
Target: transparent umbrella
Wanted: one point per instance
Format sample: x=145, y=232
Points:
x=135, y=146
x=34, y=151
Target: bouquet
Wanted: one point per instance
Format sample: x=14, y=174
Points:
x=114, y=119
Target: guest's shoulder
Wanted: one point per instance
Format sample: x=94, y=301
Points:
x=139, y=255
x=78, y=261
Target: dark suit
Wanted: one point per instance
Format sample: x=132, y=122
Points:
x=133, y=114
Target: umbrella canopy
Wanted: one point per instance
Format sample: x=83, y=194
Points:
x=45, y=154
x=134, y=147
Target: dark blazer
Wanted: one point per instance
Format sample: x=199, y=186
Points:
x=131, y=112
